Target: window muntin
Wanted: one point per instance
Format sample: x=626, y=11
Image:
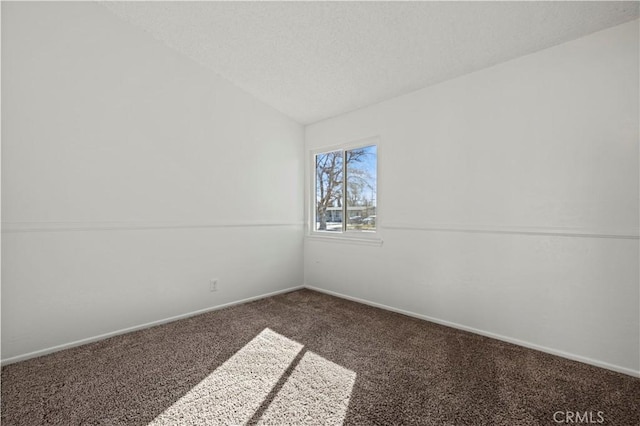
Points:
x=349, y=207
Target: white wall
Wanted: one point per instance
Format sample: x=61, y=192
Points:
x=130, y=177
x=508, y=202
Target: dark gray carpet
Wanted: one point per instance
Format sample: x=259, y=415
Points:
x=309, y=358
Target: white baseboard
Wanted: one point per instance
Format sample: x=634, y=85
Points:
x=518, y=342
x=81, y=342
x=523, y=343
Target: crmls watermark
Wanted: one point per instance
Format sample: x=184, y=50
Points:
x=578, y=417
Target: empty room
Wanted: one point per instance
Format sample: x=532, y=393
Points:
x=320, y=213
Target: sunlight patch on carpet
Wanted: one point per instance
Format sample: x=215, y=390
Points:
x=317, y=392
x=235, y=390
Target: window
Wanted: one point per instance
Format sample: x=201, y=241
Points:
x=346, y=190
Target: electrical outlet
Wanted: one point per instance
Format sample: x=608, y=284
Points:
x=213, y=285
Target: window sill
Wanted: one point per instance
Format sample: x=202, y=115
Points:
x=376, y=242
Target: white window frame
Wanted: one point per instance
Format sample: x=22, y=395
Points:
x=353, y=237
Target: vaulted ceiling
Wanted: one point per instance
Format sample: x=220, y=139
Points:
x=314, y=60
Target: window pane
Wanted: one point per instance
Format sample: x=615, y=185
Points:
x=329, y=191
x=361, y=188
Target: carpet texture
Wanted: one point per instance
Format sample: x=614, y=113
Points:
x=309, y=358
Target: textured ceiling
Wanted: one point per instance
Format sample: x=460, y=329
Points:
x=314, y=60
